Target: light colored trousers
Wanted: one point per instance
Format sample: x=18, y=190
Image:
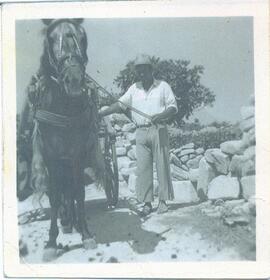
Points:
x=150, y=149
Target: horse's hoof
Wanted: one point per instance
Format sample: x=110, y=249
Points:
x=66, y=229
x=89, y=244
x=49, y=254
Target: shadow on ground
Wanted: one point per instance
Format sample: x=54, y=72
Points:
x=119, y=226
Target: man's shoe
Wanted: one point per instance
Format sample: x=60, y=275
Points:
x=147, y=209
x=162, y=207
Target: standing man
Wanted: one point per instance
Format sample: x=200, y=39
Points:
x=156, y=99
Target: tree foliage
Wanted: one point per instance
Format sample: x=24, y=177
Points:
x=185, y=81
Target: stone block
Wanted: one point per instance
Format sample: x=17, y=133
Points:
x=184, y=192
x=234, y=147
x=175, y=160
x=248, y=186
x=126, y=172
x=188, y=146
x=132, y=154
x=194, y=163
x=121, y=151
x=132, y=182
x=193, y=175
x=117, y=127
x=184, y=159
x=199, y=151
x=131, y=137
x=223, y=187
x=186, y=152
x=206, y=175
x=123, y=162
x=178, y=173
x=220, y=160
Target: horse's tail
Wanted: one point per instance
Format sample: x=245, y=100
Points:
x=39, y=172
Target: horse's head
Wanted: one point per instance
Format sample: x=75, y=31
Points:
x=66, y=45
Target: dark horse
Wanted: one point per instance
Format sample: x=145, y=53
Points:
x=63, y=103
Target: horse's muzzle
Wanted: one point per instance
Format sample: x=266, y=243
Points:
x=72, y=80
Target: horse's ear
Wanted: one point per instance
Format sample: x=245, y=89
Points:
x=78, y=20
x=47, y=21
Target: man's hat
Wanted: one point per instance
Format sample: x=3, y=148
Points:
x=143, y=59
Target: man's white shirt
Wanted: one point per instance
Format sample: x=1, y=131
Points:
x=154, y=101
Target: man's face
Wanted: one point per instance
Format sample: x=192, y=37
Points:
x=144, y=72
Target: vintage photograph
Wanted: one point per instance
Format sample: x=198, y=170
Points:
x=135, y=140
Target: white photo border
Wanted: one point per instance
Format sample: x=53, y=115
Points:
x=259, y=10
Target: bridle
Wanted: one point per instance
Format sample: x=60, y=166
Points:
x=72, y=59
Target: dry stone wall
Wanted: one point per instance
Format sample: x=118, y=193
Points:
x=227, y=172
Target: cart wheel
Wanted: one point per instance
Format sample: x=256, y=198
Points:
x=112, y=180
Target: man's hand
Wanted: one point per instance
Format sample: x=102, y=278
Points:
x=156, y=119
x=165, y=115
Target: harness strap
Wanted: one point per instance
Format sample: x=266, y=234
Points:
x=62, y=121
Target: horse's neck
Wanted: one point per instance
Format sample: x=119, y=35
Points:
x=62, y=104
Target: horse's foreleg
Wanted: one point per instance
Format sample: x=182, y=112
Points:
x=87, y=238
x=50, y=250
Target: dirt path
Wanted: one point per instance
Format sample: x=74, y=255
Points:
x=182, y=234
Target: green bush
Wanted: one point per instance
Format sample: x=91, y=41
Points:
x=207, y=137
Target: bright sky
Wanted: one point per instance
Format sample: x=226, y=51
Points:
x=224, y=46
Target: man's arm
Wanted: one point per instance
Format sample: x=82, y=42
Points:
x=114, y=108
x=165, y=115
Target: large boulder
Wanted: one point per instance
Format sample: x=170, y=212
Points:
x=223, y=187
x=178, y=173
x=248, y=186
x=220, y=160
x=184, y=192
x=206, y=175
x=129, y=127
x=234, y=147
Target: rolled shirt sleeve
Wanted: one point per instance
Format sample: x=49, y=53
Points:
x=126, y=98
x=170, y=100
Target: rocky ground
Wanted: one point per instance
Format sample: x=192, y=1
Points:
x=198, y=232
x=211, y=218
